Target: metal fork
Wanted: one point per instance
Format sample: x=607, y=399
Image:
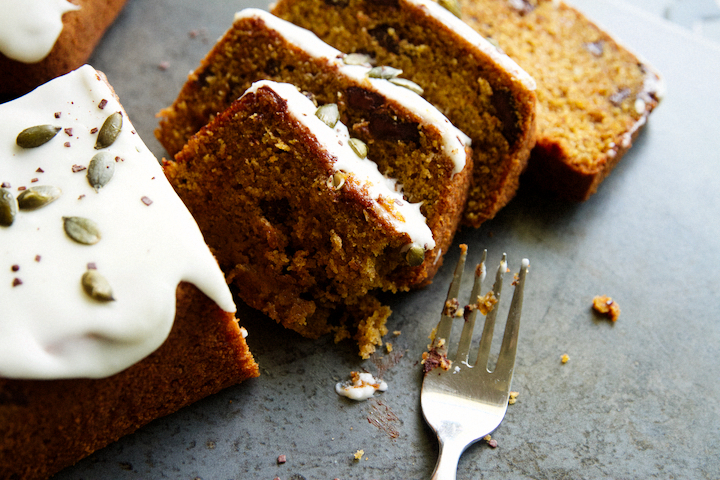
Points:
x=464, y=402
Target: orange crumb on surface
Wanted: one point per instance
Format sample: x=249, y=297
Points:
x=606, y=306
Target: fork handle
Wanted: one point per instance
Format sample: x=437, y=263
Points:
x=447, y=462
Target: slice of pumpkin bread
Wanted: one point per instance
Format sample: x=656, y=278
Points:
x=303, y=224
x=594, y=96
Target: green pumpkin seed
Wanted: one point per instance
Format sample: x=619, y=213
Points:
x=359, y=147
x=100, y=170
x=415, y=255
x=38, y=197
x=329, y=114
x=410, y=85
x=453, y=6
x=82, y=230
x=35, y=136
x=97, y=286
x=357, y=59
x=384, y=72
x=8, y=207
x=109, y=131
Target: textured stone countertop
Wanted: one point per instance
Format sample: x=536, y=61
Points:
x=637, y=399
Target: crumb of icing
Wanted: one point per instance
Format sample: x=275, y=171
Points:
x=361, y=386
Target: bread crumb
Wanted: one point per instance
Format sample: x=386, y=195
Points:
x=486, y=303
x=388, y=347
x=606, y=306
x=564, y=359
x=358, y=455
x=490, y=441
x=512, y=398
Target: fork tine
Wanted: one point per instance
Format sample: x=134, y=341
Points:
x=489, y=328
x=445, y=325
x=469, y=325
x=506, y=360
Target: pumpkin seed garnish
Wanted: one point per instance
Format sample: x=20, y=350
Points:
x=35, y=136
x=97, y=286
x=409, y=84
x=357, y=59
x=384, y=72
x=453, y=6
x=329, y=114
x=109, y=131
x=82, y=230
x=338, y=180
x=359, y=147
x=100, y=170
x=415, y=255
x=37, y=197
x=8, y=207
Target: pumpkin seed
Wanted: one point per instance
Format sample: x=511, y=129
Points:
x=359, y=147
x=338, y=180
x=329, y=114
x=453, y=6
x=100, y=170
x=97, y=286
x=357, y=59
x=8, y=207
x=415, y=255
x=82, y=230
x=109, y=131
x=35, y=136
x=384, y=72
x=409, y=84
x=38, y=197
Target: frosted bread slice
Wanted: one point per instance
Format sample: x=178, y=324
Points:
x=114, y=310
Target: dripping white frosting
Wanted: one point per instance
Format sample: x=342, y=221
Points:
x=30, y=28
x=454, y=141
x=380, y=189
x=49, y=327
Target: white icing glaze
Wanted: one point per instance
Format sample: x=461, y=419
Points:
x=30, y=28
x=362, y=170
x=361, y=387
x=49, y=327
x=454, y=140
